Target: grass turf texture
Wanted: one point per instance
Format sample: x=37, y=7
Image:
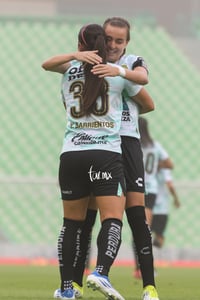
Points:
x=39, y=283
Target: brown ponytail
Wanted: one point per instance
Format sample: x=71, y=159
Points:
x=92, y=37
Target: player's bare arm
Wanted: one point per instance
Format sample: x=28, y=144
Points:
x=144, y=100
x=103, y=70
x=60, y=63
x=139, y=75
x=174, y=194
x=166, y=163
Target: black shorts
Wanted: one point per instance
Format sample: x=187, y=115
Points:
x=133, y=164
x=159, y=223
x=150, y=200
x=96, y=172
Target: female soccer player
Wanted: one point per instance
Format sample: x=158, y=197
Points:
x=155, y=157
x=90, y=161
x=166, y=188
x=118, y=35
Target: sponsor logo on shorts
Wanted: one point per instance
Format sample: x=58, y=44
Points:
x=99, y=175
x=67, y=192
x=139, y=181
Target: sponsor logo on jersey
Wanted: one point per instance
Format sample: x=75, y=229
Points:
x=126, y=116
x=83, y=138
x=75, y=73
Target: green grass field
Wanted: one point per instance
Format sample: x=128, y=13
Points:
x=39, y=283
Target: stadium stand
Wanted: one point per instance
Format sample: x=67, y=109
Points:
x=33, y=122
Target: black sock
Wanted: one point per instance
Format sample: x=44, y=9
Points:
x=68, y=248
x=143, y=242
x=108, y=243
x=85, y=246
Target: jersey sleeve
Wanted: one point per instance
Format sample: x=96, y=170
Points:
x=139, y=62
x=131, y=88
x=167, y=175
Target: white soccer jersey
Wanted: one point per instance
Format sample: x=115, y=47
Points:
x=162, y=204
x=151, y=157
x=129, y=124
x=100, y=130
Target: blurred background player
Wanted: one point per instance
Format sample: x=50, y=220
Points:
x=154, y=158
x=161, y=210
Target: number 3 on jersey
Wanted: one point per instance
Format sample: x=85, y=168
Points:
x=101, y=107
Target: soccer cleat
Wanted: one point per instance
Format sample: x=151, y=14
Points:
x=68, y=294
x=102, y=284
x=57, y=294
x=78, y=290
x=150, y=293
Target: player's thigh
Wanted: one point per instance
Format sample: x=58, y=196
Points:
x=134, y=199
x=111, y=207
x=92, y=203
x=75, y=209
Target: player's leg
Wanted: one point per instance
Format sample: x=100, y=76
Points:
x=135, y=209
x=141, y=236
x=111, y=202
x=85, y=247
x=108, y=242
x=159, y=224
x=75, y=203
x=150, y=200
